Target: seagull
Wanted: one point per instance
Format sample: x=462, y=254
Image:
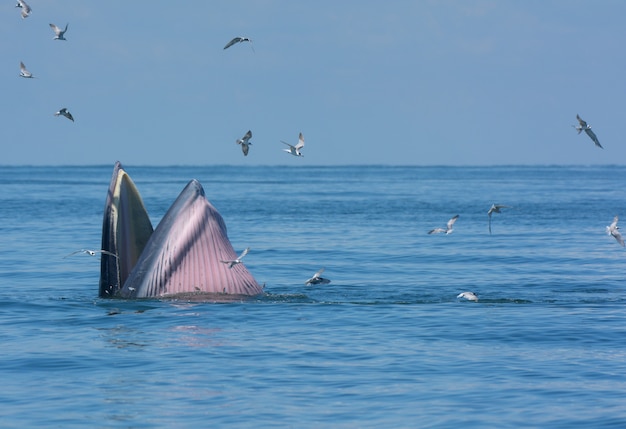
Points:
x=495, y=208
x=239, y=40
x=587, y=129
x=26, y=10
x=470, y=296
x=245, y=143
x=23, y=72
x=59, y=34
x=316, y=279
x=91, y=253
x=295, y=150
x=65, y=113
x=234, y=262
x=613, y=230
x=448, y=229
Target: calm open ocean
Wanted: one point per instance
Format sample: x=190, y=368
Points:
x=385, y=344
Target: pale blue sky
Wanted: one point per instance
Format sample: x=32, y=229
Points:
x=367, y=82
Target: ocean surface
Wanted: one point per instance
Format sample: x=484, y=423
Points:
x=385, y=344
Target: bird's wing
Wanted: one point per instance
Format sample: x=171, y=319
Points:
x=300, y=144
x=247, y=137
x=56, y=29
x=74, y=253
x=245, y=148
x=593, y=136
x=614, y=223
x=581, y=122
x=106, y=252
x=615, y=233
x=319, y=273
x=451, y=221
x=232, y=42
x=22, y=66
x=436, y=231
x=288, y=144
x=244, y=253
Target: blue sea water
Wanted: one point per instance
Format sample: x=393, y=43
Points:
x=385, y=344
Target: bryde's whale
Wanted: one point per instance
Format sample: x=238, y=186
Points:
x=181, y=256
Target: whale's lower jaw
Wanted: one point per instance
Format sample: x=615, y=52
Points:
x=181, y=257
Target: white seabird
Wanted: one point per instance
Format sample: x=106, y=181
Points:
x=239, y=40
x=65, y=113
x=317, y=279
x=448, y=229
x=295, y=150
x=58, y=33
x=26, y=10
x=587, y=129
x=231, y=263
x=244, y=142
x=495, y=208
x=25, y=73
x=91, y=253
x=613, y=230
x=470, y=296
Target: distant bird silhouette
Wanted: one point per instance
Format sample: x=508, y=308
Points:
x=613, y=230
x=58, y=33
x=239, y=40
x=495, y=208
x=231, y=263
x=587, y=129
x=317, y=279
x=244, y=142
x=65, y=113
x=91, y=252
x=448, y=229
x=26, y=10
x=25, y=73
x=470, y=296
x=295, y=150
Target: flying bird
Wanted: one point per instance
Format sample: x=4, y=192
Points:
x=239, y=40
x=65, y=113
x=470, y=296
x=23, y=72
x=245, y=143
x=495, y=208
x=91, y=253
x=231, y=263
x=26, y=10
x=58, y=33
x=587, y=129
x=317, y=279
x=613, y=230
x=448, y=229
x=295, y=150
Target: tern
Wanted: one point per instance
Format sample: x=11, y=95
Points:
x=26, y=10
x=613, y=230
x=587, y=129
x=233, y=262
x=448, y=229
x=495, y=208
x=58, y=33
x=245, y=143
x=295, y=150
x=317, y=279
x=91, y=253
x=65, y=113
x=470, y=296
x=239, y=40
x=25, y=73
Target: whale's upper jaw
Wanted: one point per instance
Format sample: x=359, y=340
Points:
x=181, y=256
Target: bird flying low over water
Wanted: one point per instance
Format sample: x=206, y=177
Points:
x=239, y=40
x=231, y=263
x=448, y=229
x=295, y=150
x=495, y=208
x=470, y=296
x=317, y=279
x=613, y=230
x=58, y=33
x=91, y=253
x=23, y=72
x=26, y=10
x=587, y=129
x=244, y=142
x=65, y=113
